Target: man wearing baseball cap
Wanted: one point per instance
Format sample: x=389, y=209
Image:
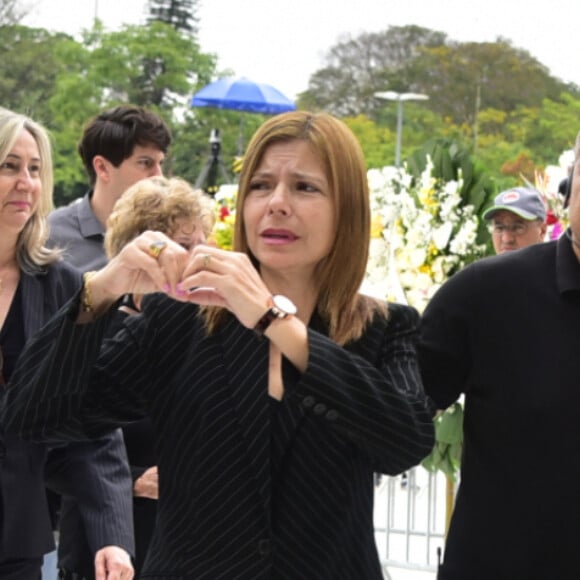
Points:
x=503, y=332
x=517, y=219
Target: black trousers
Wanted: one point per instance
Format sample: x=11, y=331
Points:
x=24, y=569
x=66, y=575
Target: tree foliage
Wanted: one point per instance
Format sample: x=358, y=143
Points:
x=180, y=14
x=153, y=65
x=13, y=11
x=150, y=65
x=461, y=78
x=492, y=99
x=358, y=67
x=480, y=76
x=496, y=100
x=25, y=85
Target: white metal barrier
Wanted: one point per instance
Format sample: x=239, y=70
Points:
x=410, y=512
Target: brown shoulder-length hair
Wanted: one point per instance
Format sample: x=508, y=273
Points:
x=341, y=273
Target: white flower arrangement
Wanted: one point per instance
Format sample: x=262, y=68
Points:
x=423, y=232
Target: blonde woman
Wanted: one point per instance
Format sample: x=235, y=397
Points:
x=34, y=284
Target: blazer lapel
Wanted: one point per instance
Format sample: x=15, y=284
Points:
x=33, y=296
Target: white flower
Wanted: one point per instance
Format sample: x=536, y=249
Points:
x=226, y=192
x=429, y=234
x=566, y=160
x=442, y=234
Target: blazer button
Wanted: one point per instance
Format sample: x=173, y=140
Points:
x=308, y=401
x=264, y=547
x=332, y=415
x=319, y=409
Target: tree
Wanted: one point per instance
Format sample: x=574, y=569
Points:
x=556, y=127
x=358, y=67
x=375, y=141
x=13, y=11
x=151, y=65
x=29, y=69
x=461, y=78
x=464, y=78
x=109, y=68
x=180, y=14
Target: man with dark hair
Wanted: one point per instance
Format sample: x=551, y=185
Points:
x=119, y=147
x=505, y=332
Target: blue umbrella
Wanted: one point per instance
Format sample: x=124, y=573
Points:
x=243, y=94
x=238, y=94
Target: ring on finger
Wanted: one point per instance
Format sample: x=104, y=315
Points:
x=155, y=248
x=206, y=259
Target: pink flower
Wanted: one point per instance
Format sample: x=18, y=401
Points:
x=557, y=231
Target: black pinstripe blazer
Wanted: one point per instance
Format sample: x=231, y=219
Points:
x=85, y=470
x=245, y=492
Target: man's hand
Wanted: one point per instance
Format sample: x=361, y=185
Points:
x=147, y=485
x=113, y=563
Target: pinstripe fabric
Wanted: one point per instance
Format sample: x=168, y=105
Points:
x=354, y=411
x=94, y=475
x=25, y=525
x=83, y=470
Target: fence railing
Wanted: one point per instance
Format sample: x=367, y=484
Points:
x=410, y=520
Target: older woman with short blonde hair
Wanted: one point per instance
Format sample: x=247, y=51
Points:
x=170, y=206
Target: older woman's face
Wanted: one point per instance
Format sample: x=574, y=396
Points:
x=190, y=232
x=288, y=211
x=20, y=184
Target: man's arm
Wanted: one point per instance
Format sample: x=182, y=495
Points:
x=445, y=359
x=95, y=475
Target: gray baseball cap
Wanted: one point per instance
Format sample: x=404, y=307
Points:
x=523, y=201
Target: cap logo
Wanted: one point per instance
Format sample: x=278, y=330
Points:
x=510, y=197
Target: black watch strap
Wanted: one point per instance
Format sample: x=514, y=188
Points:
x=269, y=316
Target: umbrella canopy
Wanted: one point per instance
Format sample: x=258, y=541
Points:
x=243, y=94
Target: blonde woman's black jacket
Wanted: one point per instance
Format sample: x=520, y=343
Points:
x=246, y=491
x=70, y=469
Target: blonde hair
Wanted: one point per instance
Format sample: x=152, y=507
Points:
x=155, y=203
x=340, y=274
x=31, y=252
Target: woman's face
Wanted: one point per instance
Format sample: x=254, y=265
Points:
x=288, y=211
x=20, y=185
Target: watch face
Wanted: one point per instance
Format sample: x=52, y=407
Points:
x=284, y=304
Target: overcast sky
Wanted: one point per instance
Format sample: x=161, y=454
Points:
x=282, y=43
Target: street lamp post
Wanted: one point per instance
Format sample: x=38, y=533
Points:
x=400, y=97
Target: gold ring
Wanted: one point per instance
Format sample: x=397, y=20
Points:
x=206, y=259
x=155, y=248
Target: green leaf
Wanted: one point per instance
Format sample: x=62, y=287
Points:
x=449, y=425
